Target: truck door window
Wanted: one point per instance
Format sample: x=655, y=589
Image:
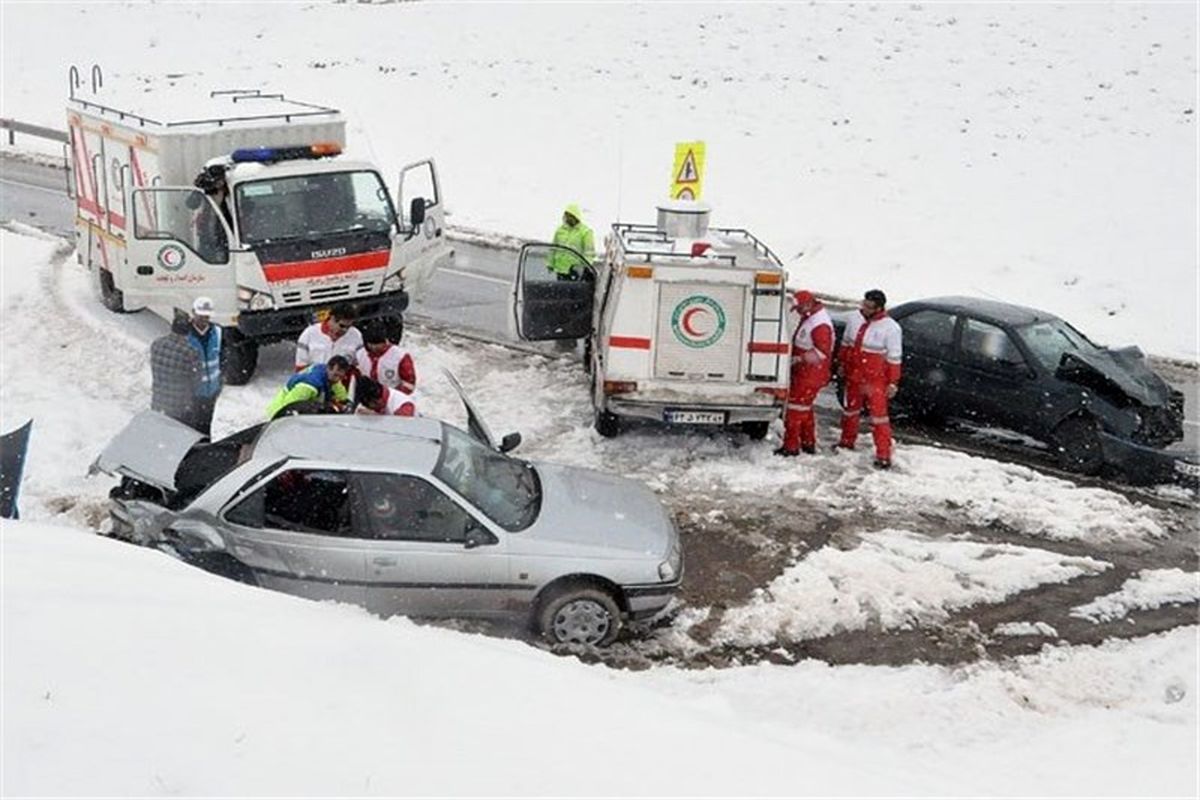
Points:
x=183, y=215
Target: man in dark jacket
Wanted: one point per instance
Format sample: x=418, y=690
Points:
x=175, y=373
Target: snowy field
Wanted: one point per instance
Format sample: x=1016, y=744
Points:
x=127, y=673
x=1042, y=154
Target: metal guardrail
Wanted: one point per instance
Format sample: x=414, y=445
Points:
x=14, y=127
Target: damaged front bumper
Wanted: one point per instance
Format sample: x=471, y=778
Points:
x=1143, y=464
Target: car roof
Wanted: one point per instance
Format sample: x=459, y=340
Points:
x=1004, y=313
x=357, y=440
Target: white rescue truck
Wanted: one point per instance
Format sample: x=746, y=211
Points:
x=684, y=324
x=300, y=228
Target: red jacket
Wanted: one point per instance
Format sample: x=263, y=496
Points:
x=871, y=349
x=812, y=346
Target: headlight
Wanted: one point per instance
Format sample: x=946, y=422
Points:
x=255, y=301
x=669, y=570
x=394, y=283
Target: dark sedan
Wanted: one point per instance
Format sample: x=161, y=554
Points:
x=1031, y=372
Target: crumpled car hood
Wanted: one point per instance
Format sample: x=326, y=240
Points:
x=1124, y=369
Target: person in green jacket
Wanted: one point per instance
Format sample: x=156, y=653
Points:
x=312, y=389
x=575, y=235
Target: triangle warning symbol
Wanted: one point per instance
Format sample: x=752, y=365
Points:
x=687, y=171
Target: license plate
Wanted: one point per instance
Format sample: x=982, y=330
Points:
x=1187, y=468
x=685, y=417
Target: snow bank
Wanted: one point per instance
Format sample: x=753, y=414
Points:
x=148, y=677
x=1040, y=153
x=1148, y=589
x=892, y=579
x=22, y=252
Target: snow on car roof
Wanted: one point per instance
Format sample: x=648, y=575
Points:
x=356, y=439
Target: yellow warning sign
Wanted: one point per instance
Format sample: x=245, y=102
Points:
x=687, y=176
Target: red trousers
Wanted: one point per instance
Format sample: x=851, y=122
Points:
x=799, y=424
x=874, y=395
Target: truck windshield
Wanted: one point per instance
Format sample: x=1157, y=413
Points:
x=305, y=206
x=506, y=490
x=1050, y=339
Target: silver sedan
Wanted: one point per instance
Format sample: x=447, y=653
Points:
x=403, y=516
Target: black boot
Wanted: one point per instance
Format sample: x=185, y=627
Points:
x=811, y=449
x=783, y=451
x=883, y=463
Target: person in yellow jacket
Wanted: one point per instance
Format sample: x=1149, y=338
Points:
x=312, y=390
x=575, y=235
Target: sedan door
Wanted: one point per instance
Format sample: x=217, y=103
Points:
x=928, y=355
x=429, y=556
x=293, y=532
x=991, y=382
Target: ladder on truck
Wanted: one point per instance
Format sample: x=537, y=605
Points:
x=766, y=325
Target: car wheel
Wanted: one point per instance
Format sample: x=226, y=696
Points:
x=239, y=357
x=607, y=423
x=1076, y=442
x=110, y=296
x=580, y=615
x=757, y=431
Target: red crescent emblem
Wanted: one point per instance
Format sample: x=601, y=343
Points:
x=686, y=322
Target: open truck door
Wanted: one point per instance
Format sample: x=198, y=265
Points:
x=548, y=306
x=421, y=221
x=180, y=238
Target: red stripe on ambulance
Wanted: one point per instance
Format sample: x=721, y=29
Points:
x=631, y=342
x=292, y=270
x=769, y=347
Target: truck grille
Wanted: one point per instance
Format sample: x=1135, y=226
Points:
x=321, y=294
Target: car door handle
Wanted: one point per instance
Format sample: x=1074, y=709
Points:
x=384, y=561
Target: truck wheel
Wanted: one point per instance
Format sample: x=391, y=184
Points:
x=393, y=327
x=757, y=431
x=1076, y=442
x=607, y=423
x=239, y=357
x=112, y=297
x=579, y=614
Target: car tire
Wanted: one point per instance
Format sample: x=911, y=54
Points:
x=757, y=431
x=1076, y=443
x=579, y=614
x=239, y=357
x=607, y=423
x=111, y=297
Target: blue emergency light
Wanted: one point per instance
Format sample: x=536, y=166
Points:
x=269, y=155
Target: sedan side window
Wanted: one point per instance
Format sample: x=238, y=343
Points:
x=308, y=501
x=403, y=507
x=991, y=347
x=929, y=328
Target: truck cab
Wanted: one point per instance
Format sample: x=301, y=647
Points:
x=256, y=209
x=684, y=324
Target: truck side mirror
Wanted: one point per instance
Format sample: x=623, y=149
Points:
x=416, y=212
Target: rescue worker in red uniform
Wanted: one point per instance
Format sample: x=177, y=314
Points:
x=869, y=358
x=812, y=357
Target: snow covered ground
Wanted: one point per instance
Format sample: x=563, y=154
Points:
x=1148, y=589
x=1043, y=154
x=150, y=678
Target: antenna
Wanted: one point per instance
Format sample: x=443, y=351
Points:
x=620, y=164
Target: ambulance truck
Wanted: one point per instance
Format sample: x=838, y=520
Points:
x=683, y=323
x=300, y=228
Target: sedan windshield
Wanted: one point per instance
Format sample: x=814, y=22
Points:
x=506, y=490
x=1049, y=340
x=301, y=206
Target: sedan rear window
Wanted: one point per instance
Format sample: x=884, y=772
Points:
x=506, y=490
